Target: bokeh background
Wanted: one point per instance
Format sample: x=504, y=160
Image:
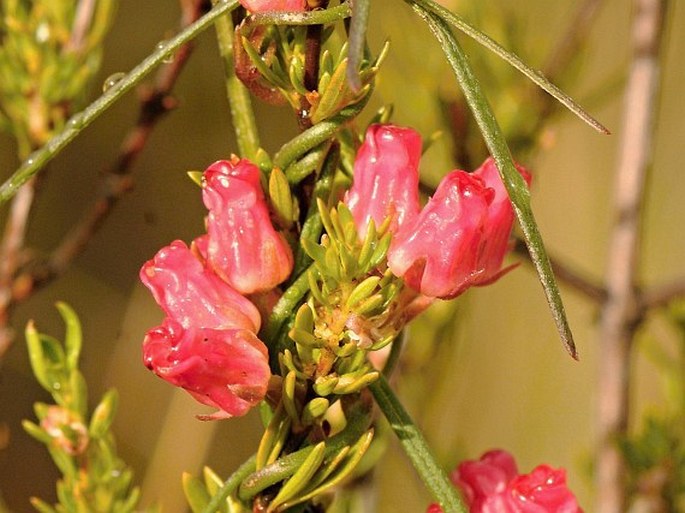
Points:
x=484, y=371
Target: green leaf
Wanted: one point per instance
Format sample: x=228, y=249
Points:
x=281, y=197
x=103, y=416
x=195, y=492
x=446, y=16
x=37, y=357
x=301, y=477
x=515, y=185
x=332, y=94
x=362, y=291
x=417, y=449
x=195, y=176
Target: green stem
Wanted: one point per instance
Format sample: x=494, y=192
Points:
x=38, y=159
x=319, y=133
x=283, y=309
x=242, y=114
x=514, y=60
x=416, y=447
x=231, y=485
x=515, y=185
x=357, y=40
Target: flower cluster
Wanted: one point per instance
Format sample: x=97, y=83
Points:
x=208, y=342
x=461, y=235
x=494, y=485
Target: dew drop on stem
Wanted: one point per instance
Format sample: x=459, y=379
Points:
x=112, y=80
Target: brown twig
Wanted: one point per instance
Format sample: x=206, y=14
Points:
x=567, y=276
x=620, y=312
x=156, y=101
x=662, y=295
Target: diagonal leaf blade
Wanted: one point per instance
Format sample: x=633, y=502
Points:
x=514, y=60
x=513, y=181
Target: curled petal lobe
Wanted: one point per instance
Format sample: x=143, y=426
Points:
x=543, y=490
x=386, y=178
x=223, y=368
x=438, y=253
x=242, y=246
x=193, y=295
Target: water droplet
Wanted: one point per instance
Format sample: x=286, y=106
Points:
x=75, y=121
x=32, y=159
x=43, y=32
x=169, y=57
x=112, y=80
x=56, y=385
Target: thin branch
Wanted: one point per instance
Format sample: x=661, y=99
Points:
x=567, y=276
x=156, y=101
x=620, y=316
x=662, y=295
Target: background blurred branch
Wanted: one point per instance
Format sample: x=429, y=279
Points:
x=17, y=285
x=619, y=315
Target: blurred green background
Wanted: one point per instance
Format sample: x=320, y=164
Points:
x=484, y=371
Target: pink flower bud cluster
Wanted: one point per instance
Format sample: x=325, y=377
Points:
x=208, y=342
x=457, y=240
x=494, y=485
x=258, y=6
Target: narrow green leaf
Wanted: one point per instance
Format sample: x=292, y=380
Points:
x=362, y=291
x=281, y=197
x=103, y=416
x=515, y=185
x=357, y=41
x=73, y=336
x=331, y=96
x=195, y=492
x=37, y=357
x=301, y=477
x=261, y=66
x=514, y=60
x=195, y=176
x=417, y=449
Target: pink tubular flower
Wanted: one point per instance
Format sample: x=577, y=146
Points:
x=256, y=6
x=386, y=178
x=243, y=247
x=193, y=295
x=438, y=254
x=224, y=368
x=493, y=485
x=460, y=237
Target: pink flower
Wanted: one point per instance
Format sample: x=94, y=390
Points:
x=493, y=485
x=243, y=247
x=460, y=237
x=224, y=368
x=193, y=295
x=438, y=254
x=256, y=6
x=386, y=178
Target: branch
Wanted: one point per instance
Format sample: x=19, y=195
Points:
x=568, y=276
x=38, y=159
x=155, y=102
x=663, y=295
x=619, y=316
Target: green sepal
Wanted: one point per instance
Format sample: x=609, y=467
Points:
x=195, y=492
x=103, y=415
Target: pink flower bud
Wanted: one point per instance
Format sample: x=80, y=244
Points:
x=500, y=220
x=256, y=6
x=386, y=178
x=193, y=295
x=243, y=247
x=224, y=368
x=438, y=254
